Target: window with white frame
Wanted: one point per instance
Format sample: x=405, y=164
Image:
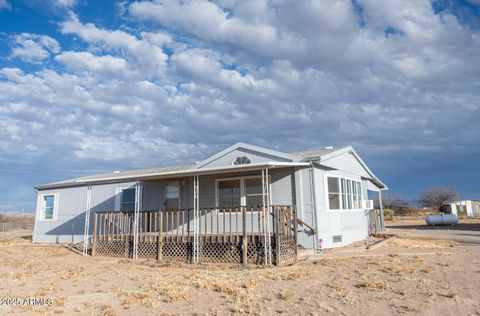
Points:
x=48, y=206
x=253, y=192
x=228, y=193
x=172, y=196
x=344, y=194
x=232, y=193
x=333, y=193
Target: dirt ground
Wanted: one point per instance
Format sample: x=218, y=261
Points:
x=466, y=231
x=405, y=275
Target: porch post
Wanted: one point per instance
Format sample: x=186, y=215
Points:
x=196, y=245
x=135, y=219
x=245, y=238
x=264, y=203
x=269, y=233
x=86, y=233
x=94, y=243
x=160, y=237
x=382, y=215
x=276, y=231
x=266, y=220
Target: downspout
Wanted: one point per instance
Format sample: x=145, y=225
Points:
x=314, y=201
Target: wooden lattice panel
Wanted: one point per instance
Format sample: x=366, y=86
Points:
x=147, y=250
x=178, y=251
x=256, y=250
x=287, y=250
x=221, y=252
x=113, y=248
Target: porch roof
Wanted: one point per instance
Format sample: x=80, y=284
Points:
x=163, y=173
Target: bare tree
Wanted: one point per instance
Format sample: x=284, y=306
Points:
x=437, y=197
x=392, y=201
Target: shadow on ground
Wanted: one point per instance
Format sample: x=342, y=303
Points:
x=468, y=227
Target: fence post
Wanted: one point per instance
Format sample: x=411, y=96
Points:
x=276, y=230
x=94, y=243
x=245, y=238
x=160, y=237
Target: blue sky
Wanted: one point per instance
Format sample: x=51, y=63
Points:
x=96, y=86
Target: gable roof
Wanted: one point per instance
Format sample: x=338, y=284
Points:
x=240, y=145
x=316, y=153
x=350, y=149
x=301, y=158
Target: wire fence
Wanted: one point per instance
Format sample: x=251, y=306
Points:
x=7, y=227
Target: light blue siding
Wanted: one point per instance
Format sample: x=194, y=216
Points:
x=254, y=156
x=69, y=224
x=352, y=225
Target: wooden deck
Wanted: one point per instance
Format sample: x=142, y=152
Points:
x=236, y=235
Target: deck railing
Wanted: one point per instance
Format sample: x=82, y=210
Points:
x=237, y=235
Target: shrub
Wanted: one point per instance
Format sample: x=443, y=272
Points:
x=388, y=212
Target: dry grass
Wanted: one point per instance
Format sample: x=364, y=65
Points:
x=421, y=243
x=285, y=295
x=26, y=218
x=373, y=285
x=381, y=285
x=450, y=294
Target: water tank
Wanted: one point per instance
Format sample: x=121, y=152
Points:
x=441, y=219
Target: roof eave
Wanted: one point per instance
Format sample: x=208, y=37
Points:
x=173, y=174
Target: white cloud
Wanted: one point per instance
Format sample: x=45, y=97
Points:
x=145, y=52
x=65, y=3
x=33, y=47
x=87, y=61
x=211, y=74
x=5, y=5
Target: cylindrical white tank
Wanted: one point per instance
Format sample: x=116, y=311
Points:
x=441, y=219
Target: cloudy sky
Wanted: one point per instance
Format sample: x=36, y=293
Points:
x=94, y=86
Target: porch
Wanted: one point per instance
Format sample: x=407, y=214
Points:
x=261, y=235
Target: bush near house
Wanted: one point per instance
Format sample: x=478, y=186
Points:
x=388, y=213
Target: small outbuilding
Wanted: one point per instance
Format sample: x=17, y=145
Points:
x=466, y=207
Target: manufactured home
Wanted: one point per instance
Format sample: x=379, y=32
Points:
x=466, y=207
x=326, y=190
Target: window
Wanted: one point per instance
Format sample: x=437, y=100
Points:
x=47, y=206
x=359, y=195
x=243, y=160
x=333, y=193
x=253, y=192
x=232, y=193
x=172, y=196
x=344, y=194
x=49, y=201
x=127, y=201
x=229, y=193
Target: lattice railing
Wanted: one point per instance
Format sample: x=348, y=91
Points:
x=236, y=235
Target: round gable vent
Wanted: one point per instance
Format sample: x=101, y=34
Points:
x=242, y=160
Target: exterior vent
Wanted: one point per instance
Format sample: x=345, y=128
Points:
x=337, y=238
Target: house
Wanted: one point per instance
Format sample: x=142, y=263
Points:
x=329, y=189
x=467, y=207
